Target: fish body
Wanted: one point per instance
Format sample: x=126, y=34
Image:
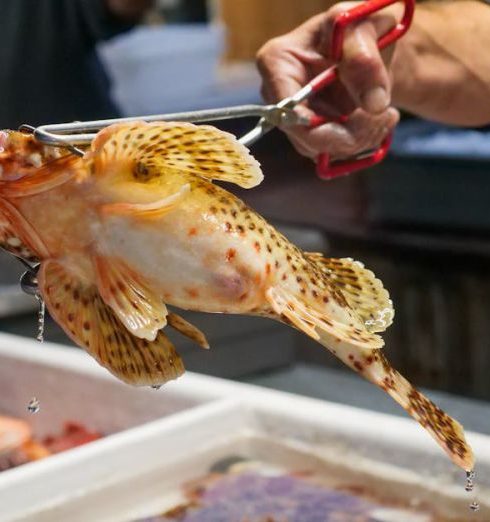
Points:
x=137, y=224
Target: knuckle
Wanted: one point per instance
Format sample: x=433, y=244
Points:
x=339, y=9
x=360, y=72
x=269, y=51
x=362, y=63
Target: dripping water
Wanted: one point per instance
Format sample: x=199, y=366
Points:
x=34, y=405
x=470, y=486
x=41, y=315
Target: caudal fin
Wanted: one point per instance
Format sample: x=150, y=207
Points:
x=447, y=432
x=368, y=309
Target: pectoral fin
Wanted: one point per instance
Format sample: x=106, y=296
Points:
x=147, y=210
x=78, y=308
x=137, y=306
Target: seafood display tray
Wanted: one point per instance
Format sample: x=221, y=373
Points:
x=157, y=440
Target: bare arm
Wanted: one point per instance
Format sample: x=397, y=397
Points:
x=128, y=9
x=441, y=68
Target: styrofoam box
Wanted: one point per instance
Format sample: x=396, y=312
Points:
x=159, y=439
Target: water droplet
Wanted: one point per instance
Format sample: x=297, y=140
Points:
x=40, y=318
x=34, y=406
x=474, y=506
x=470, y=486
x=156, y=386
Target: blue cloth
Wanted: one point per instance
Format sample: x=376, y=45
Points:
x=422, y=138
x=172, y=68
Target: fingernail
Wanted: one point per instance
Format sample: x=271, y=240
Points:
x=375, y=100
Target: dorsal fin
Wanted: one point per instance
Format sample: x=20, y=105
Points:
x=154, y=150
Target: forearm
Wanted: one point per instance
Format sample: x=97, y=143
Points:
x=128, y=9
x=441, y=67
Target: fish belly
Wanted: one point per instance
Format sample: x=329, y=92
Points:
x=208, y=271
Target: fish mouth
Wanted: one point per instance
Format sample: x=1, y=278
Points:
x=3, y=141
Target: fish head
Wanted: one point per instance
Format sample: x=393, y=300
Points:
x=29, y=169
x=21, y=154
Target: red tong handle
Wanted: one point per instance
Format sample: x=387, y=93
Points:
x=325, y=168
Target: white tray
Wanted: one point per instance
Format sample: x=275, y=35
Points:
x=161, y=438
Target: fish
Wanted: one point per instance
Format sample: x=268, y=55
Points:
x=141, y=222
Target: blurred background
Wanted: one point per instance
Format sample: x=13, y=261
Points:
x=420, y=220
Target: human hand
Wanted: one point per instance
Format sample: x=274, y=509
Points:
x=288, y=62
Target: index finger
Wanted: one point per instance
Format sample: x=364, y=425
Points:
x=363, y=71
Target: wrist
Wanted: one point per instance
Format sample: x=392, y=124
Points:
x=405, y=70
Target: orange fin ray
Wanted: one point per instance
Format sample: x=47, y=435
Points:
x=147, y=210
x=156, y=149
x=17, y=236
x=137, y=306
x=187, y=329
x=317, y=325
x=78, y=308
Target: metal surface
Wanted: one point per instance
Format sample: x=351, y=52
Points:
x=82, y=133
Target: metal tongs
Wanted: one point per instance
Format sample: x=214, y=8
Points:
x=74, y=135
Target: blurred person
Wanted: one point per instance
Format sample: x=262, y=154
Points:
x=49, y=69
x=439, y=70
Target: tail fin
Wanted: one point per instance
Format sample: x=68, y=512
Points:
x=357, y=345
x=445, y=430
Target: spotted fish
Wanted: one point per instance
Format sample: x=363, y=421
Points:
x=137, y=224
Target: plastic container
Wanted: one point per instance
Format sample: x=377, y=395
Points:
x=159, y=439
